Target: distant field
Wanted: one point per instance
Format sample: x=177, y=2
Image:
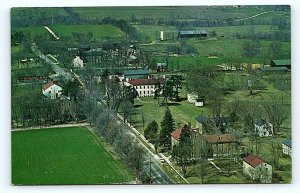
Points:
x=100, y=32
x=175, y=12
x=63, y=156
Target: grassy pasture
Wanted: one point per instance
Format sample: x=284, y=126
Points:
x=64, y=156
x=99, y=31
x=167, y=12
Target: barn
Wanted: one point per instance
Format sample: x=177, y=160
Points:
x=192, y=34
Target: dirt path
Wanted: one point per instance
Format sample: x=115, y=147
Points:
x=253, y=16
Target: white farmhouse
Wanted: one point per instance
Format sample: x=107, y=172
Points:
x=52, y=90
x=77, y=62
x=145, y=87
x=287, y=147
x=257, y=169
x=263, y=128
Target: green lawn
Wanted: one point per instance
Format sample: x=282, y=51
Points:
x=100, y=32
x=64, y=156
x=183, y=112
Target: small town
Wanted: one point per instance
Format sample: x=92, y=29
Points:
x=151, y=95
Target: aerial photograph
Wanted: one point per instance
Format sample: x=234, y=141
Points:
x=151, y=95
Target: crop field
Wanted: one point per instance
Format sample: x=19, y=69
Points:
x=63, y=156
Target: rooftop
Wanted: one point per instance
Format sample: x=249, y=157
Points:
x=223, y=138
x=192, y=32
x=282, y=62
x=287, y=142
x=253, y=160
x=177, y=133
x=49, y=84
x=136, y=72
x=268, y=69
x=136, y=82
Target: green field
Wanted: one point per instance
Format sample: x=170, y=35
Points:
x=167, y=12
x=99, y=32
x=64, y=156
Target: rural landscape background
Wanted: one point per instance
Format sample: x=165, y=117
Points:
x=151, y=95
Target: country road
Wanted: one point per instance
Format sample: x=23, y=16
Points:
x=157, y=172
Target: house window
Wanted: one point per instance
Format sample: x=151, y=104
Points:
x=144, y=92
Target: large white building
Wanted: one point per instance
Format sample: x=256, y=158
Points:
x=257, y=169
x=145, y=87
x=52, y=90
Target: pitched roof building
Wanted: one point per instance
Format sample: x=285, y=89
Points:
x=52, y=90
x=145, y=87
x=257, y=169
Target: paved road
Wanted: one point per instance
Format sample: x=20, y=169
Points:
x=157, y=172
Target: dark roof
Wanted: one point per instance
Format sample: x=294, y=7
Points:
x=192, y=32
x=287, y=142
x=253, y=160
x=268, y=69
x=202, y=119
x=223, y=138
x=136, y=82
x=136, y=72
x=260, y=121
x=286, y=62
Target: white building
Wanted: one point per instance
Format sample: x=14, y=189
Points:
x=52, y=90
x=145, y=87
x=191, y=97
x=287, y=147
x=263, y=128
x=77, y=62
x=257, y=169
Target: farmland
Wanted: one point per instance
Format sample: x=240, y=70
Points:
x=64, y=156
x=99, y=32
x=234, y=60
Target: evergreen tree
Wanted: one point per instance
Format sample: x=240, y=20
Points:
x=184, y=150
x=150, y=132
x=167, y=126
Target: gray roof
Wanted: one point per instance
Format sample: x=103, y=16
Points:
x=136, y=72
x=161, y=64
x=202, y=119
x=287, y=142
x=192, y=32
x=260, y=122
x=268, y=69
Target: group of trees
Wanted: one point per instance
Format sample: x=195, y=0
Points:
x=133, y=154
x=169, y=90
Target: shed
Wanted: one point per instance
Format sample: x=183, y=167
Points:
x=281, y=63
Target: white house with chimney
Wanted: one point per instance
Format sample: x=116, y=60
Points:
x=52, y=90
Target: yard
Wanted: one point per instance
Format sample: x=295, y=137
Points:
x=64, y=156
x=183, y=112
